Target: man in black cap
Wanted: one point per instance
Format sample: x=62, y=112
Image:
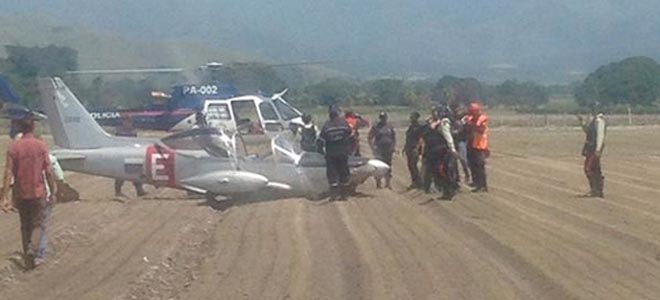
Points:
x=412, y=150
x=594, y=145
x=382, y=140
x=335, y=134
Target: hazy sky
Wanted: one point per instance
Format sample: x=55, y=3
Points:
x=534, y=39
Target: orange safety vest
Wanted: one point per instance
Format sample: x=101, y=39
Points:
x=479, y=129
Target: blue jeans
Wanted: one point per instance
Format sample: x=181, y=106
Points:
x=462, y=153
x=43, y=240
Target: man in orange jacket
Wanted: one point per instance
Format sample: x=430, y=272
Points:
x=477, y=124
x=355, y=121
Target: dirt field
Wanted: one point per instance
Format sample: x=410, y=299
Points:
x=531, y=237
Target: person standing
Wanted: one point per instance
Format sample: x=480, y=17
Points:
x=459, y=133
x=27, y=164
x=308, y=134
x=592, y=150
x=335, y=134
x=126, y=129
x=200, y=120
x=382, y=140
x=439, y=153
x=477, y=152
x=411, y=150
x=58, y=175
x=355, y=122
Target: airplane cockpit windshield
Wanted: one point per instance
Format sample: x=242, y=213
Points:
x=211, y=140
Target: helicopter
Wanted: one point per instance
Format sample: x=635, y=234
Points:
x=222, y=104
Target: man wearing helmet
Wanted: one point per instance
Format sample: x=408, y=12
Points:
x=382, y=140
x=477, y=122
x=594, y=144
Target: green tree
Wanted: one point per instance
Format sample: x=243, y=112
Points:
x=387, y=91
x=519, y=94
x=248, y=77
x=450, y=89
x=634, y=80
x=332, y=91
x=24, y=64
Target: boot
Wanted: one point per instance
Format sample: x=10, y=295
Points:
x=343, y=192
x=600, y=184
x=334, y=193
x=593, y=187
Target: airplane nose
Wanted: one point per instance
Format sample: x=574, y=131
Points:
x=228, y=182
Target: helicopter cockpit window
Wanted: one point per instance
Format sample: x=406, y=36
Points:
x=286, y=111
x=247, y=118
x=218, y=111
x=268, y=112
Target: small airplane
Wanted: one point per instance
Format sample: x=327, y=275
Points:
x=204, y=160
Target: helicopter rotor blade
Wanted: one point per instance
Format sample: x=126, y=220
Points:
x=208, y=66
x=125, y=71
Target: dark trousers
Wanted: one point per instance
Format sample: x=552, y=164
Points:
x=31, y=212
x=477, y=162
x=386, y=157
x=441, y=169
x=119, y=183
x=413, y=158
x=337, y=169
x=594, y=174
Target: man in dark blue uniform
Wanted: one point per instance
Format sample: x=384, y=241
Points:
x=336, y=134
x=382, y=140
x=412, y=150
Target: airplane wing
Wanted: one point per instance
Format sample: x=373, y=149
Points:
x=68, y=156
x=225, y=183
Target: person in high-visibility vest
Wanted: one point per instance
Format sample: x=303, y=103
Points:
x=477, y=123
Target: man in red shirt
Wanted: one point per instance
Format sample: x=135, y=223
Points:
x=27, y=163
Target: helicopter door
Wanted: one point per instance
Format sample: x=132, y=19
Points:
x=270, y=118
x=247, y=117
x=218, y=116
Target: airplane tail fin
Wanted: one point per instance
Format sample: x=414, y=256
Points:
x=70, y=123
